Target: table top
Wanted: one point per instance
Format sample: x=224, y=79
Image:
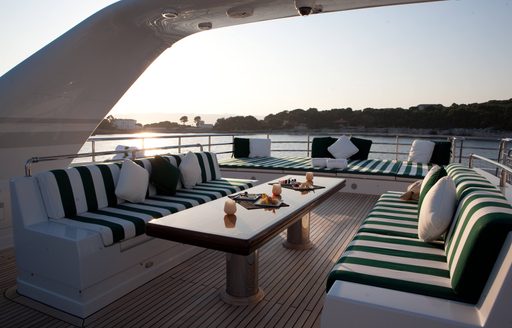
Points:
x=208, y=226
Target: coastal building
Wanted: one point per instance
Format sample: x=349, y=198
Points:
x=125, y=124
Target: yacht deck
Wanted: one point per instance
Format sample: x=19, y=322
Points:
x=188, y=295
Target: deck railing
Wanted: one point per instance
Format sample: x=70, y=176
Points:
x=131, y=153
x=393, y=146
x=503, y=171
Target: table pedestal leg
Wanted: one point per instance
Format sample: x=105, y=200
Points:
x=297, y=236
x=242, y=280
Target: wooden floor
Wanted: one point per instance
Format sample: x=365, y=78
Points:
x=188, y=295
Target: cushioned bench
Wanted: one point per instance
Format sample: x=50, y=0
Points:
x=80, y=247
x=386, y=253
x=376, y=167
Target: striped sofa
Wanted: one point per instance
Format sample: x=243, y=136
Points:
x=455, y=282
x=79, y=247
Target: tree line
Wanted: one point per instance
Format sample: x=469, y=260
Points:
x=494, y=114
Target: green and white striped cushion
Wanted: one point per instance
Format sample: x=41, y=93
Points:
x=303, y=164
x=392, y=216
x=394, y=262
x=481, y=223
x=465, y=178
x=209, y=165
x=413, y=170
x=373, y=166
x=127, y=220
x=75, y=190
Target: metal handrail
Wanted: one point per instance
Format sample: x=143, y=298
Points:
x=505, y=170
x=133, y=151
x=458, y=145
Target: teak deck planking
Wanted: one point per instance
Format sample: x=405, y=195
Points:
x=188, y=294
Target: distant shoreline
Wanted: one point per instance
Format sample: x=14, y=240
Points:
x=348, y=130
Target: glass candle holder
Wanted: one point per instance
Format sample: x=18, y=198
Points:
x=309, y=176
x=276, y=189
x=230, y=207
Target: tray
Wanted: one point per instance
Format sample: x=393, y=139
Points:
x=260, y=204
x=249, y=197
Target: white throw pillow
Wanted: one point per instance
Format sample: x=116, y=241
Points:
x=421, y=151
x=343, y=148
x=319, y=162
x=133, y=182
x=437, y=210
x=190, y=170
x=337, y=163
x=259, y=147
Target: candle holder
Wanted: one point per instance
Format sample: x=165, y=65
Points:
x=276, y=189
x=230, y=207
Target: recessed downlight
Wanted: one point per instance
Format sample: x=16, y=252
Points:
x=169, y=13
x=205, y=26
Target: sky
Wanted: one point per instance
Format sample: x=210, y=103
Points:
x=398, y=56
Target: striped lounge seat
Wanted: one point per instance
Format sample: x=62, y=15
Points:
x=303, y=164
x=413, y=170
x=84, y=197
x=387, y=253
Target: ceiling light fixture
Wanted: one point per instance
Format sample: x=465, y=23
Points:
x=169, y=13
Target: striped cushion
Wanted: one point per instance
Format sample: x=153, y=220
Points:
x=146, y=163
x=209, y=165
x=394, y=262
x=127, y=220
x=413, y=170
x=370, y=166
x=465, y=178
x=72, y=191
x=373, y=166
x=481, y=223
x=392, y=216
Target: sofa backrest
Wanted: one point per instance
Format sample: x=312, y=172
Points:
x=481, y=223
x=75, y=190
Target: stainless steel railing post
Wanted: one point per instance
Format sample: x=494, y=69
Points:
x=397, y=140
x=461, y=148
x=93, y=150
x=308, y=152
x=209, y=143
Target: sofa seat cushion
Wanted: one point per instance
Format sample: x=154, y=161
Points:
x=413, y=170
x=392, y=216
x=373, y=167
x=398, y=263
x=303, y=164
x=128, y=220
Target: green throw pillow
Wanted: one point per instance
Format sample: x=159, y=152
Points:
x=442, y=153
x=363, y=145
x=319, y=147
x=164, y=176
x=241, y=147
x=435, y=173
